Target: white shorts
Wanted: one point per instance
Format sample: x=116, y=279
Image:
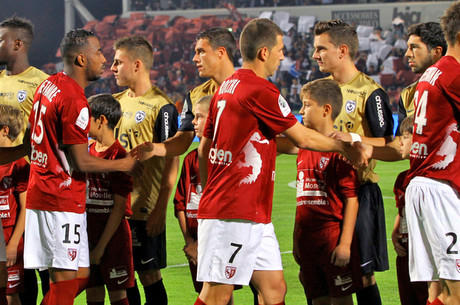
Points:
x=55, y=240
x=433, y=219
x=2, y=246
x=230, y=250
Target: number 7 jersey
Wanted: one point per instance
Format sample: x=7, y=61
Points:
x=434, y=152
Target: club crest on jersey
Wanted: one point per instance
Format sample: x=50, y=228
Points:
x=457, y=265
x=140, y=116
x=350, y=106
x=22, y=95
x=71, y=254
x=323, y=162
x=230, y=271
x=7, y=182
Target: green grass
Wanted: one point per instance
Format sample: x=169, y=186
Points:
x=177, y=276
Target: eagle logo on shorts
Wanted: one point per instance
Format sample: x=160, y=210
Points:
x=230, y=271
x=457, y=265
x=71, y=254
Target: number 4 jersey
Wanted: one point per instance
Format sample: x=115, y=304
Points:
x=434, y=152
x=59, y=118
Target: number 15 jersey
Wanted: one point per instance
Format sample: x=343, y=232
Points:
x=434, y=152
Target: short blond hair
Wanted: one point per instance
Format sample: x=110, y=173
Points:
x=11, y=117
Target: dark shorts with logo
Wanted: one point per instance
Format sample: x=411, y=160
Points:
x=370, y=229
x=15, y=272
x=149, y=253
x=318, y=276
x=116, y=269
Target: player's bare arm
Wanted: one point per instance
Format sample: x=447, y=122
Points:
x=285, y=146
x=191, y=245
x=115, y=218
x=341, y=254
x=203, y=153
x=84, y=162
x=377, y=142
x=389, y=152
x=12, y=246
x=174, y=146
x=396, y=238
x=307, y=138
x=157, y=218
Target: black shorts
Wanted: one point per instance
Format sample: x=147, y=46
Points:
x=149, y=253
x=370, y=229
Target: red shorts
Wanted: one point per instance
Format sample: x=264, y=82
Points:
x=319, y=277
x=409, y=292
x=15, y=272
x=116, y=270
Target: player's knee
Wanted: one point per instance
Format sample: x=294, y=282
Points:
x=368, y=280
x=149, y=277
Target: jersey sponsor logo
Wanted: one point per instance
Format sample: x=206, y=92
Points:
x=323, y=162
x=7, y=182
x=252, y=158
x=419, y=150
x=284, y=106
x=350, y=106
x=13, y=276
x=230, y=271
x=83, y=118
x=343, y=279
x=166, y=121
x=139, y=117
x=220, y=156
x=37, y=157
x=118, y=272
x=21, y=96
x=125, y=138
x=430, y=75
x=378, y=103
x=7, y=95
x=5, y=206
x=71, y=254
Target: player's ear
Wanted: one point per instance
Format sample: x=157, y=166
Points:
x=221, y=51
x=327, y=110
x=343, y=50
x=18, y=43
x=137, y=65
x=80, y=60
x=103, y=119
x=263, y=53
x=4, y=131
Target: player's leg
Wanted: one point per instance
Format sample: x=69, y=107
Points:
x=346, y=300
x=450, y=292
x=216, y=293
x=434, y=290
x=118, y=297
x=95, y=295
x=270, y=284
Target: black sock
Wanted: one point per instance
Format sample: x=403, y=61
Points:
x=254, y=293
x=369, y=296
x=30, y=288
x=155, y=294
x=133, y=295
x=45, y=279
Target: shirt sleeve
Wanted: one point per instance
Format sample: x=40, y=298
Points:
x=187, y=115
x=402, y=114
x=379, y=115
x=348, y=179
x=21, y=174
x=181, y=191
x=166, y=123
x=75, y=118
x=209, y=126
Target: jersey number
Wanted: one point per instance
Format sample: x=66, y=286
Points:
x=66, y=240
x=420, y=115
x=220, y=109
x=452, y=244
x=37, y=135
x=238, y=248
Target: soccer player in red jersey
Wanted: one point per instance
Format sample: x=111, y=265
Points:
x=432, y=199
x=236, y=240
x=55, y=234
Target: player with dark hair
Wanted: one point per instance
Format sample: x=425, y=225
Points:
x=55, y=234
x=148, y=116
x=214, y=52
x=366, y=116
x=19, y=80
x=432, y=193
x=107, y=204
x=236, y=240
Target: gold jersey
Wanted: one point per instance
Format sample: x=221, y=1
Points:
x=406, y=104
x=365, y=111
x=151, y=117
x=18, y=91
x=207, y=88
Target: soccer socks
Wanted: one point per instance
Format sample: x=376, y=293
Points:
x=61, y=293
x=199, y=302
x=133, y=294
x=82, y=284
x=437, y=302
x=155, y=294
x=369, y=296
x=120, y=302
x=3, y=300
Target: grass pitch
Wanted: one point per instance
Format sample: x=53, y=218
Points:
x=177, y=276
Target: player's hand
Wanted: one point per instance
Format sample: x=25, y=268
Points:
x=95, y=256
x=133, y=167
x=342, y=136
x=340, y=256
x=143, y=151
x=11, y=254
x=191, y=252
x=156, y=222
x=358, y=154
x=396, y=239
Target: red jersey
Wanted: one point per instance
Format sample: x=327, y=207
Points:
x=399, y=189
x=103, y=186
x=59, y=118
x=245, y=115
x=434, y=153
x=324, y=182
x=188, y=192
x=14, y=178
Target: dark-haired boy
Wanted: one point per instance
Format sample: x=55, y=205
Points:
x=107, y=204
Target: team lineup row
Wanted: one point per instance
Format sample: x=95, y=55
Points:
x=75, y=224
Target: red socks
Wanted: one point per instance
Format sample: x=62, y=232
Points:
x=61, y=293
x=199, y=302
x=82, y=284
x=437, y=302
